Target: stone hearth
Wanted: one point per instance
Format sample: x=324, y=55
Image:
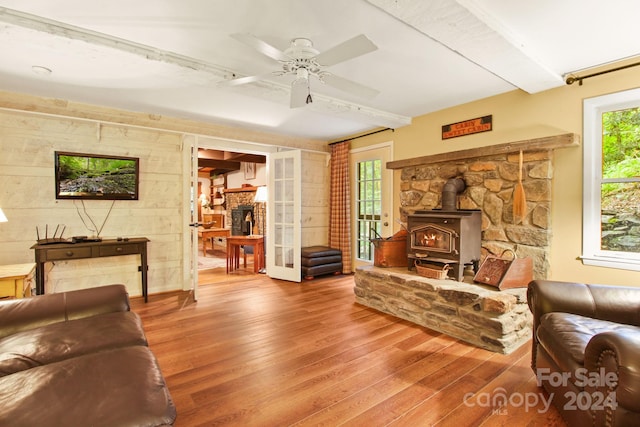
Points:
x=499, y=321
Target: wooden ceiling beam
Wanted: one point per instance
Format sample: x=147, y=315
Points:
x=219, y=164
x=243, y=157
x=204, y=153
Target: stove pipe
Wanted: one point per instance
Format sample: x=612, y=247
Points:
x=449, y=193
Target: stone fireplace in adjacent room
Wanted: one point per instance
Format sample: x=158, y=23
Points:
x=240, y=203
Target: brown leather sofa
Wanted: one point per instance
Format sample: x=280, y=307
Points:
x=586, y=350
x=79, y=358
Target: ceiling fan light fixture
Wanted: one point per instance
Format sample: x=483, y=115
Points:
x=302, y=74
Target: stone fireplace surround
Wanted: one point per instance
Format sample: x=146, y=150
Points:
x=490, y=174
x=481, y=315
x=490, y=183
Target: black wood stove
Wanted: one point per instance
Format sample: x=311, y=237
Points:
x=446, y=236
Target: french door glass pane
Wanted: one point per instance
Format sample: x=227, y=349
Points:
x=369, y=206
x=284, y=212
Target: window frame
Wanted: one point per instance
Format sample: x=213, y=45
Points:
x=593, y=108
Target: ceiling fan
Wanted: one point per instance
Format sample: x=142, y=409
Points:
x=302, y=60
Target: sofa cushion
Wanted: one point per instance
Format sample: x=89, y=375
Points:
x=64, y=340
x=565, y=336
x=119, y=387
x=28, y=313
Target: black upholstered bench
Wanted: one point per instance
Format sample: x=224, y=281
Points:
x=319, y=260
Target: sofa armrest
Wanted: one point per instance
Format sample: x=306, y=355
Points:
x=28, y=313
x=613, y=359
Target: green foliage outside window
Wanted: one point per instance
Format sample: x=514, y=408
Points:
x=621, y=143
x=620, y=192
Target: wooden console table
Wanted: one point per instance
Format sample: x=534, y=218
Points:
x=105, y=248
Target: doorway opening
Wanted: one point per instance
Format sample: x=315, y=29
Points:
x=227, y=178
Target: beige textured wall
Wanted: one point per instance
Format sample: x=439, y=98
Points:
x=520, y=116
x=32, y=128
x=315, y=199
x=27, y=145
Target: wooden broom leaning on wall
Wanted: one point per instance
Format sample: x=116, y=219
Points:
x=519, y=198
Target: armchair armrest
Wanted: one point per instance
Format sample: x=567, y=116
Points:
x=547, y=296
x=614, y=303
x=614, y=358
x=28, y=313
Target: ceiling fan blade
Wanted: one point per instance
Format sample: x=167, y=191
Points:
x=241, y=80
x=349, y=86
x=352, y=48
x=261, y=46
x=299, y=93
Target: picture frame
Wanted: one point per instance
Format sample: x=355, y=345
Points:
x=249, y=170
x=109, y=177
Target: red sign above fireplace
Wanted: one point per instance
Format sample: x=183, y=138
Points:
x=467, y=127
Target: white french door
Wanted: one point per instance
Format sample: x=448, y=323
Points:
x=190, y=215
x=372, y=200
x=283, y=237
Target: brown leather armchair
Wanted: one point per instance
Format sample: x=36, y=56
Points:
x=586, y=350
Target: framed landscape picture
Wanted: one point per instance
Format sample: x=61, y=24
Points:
x=249, y=170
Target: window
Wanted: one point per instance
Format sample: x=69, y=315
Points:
x=611, y=223
x=369, y=206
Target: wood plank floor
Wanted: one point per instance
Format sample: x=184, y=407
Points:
x=253, y=351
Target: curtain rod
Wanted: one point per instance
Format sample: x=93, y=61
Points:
x=572, y=79
x=362, y=136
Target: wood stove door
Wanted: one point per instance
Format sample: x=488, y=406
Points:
x=432, y=238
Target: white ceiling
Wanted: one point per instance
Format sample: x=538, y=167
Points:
x=166, y=56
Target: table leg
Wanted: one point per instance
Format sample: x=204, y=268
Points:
x=261, y=256
x=204, y=245
x=144, y=268
x=256, y=257
x=244, y=255
x=40, y=278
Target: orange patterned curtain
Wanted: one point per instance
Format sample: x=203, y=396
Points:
x=340, y=204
